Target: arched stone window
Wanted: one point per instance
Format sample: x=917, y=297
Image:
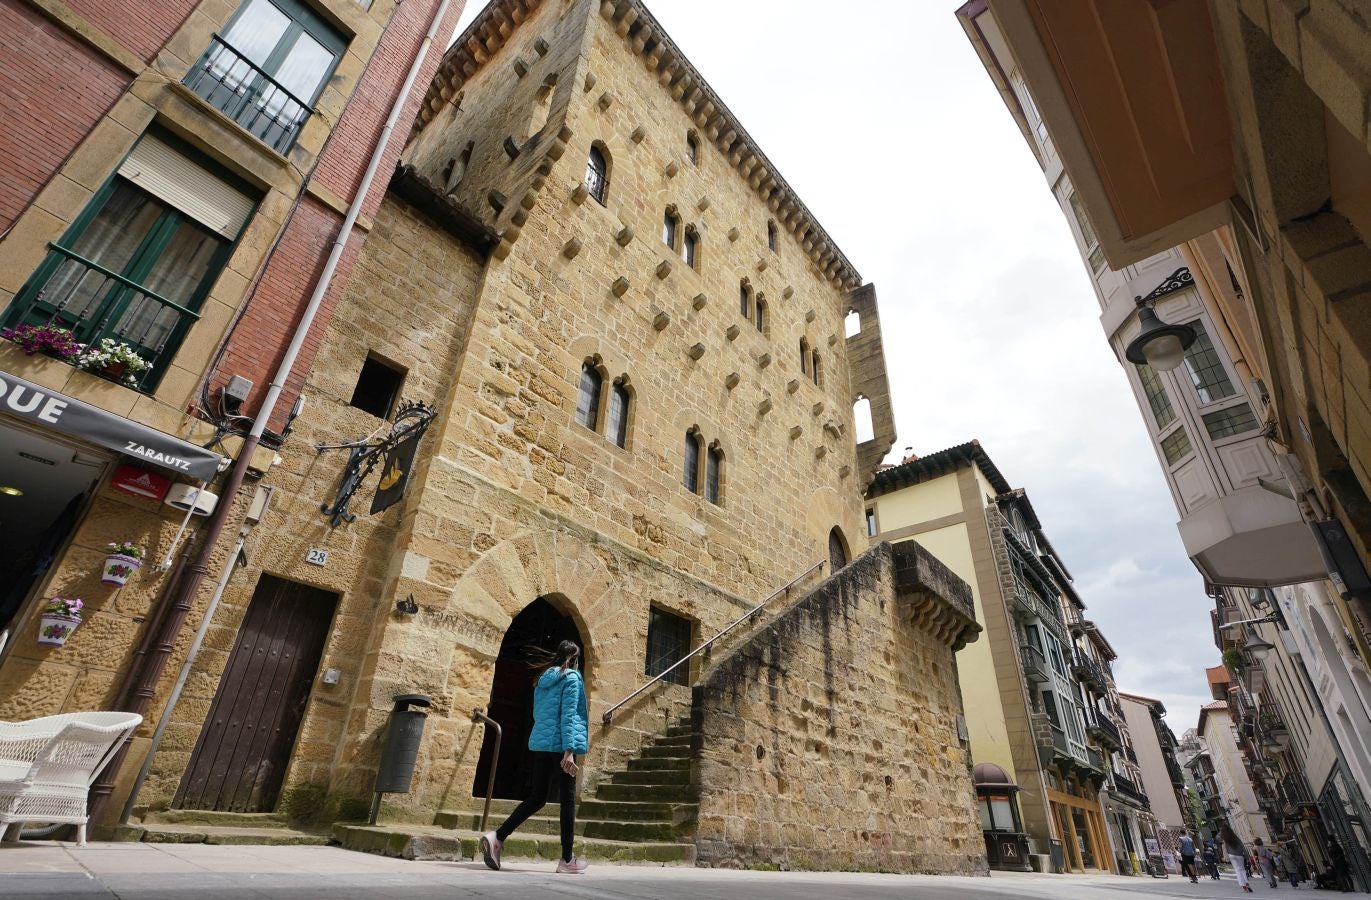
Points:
x=837, y=549
x=771, y=235
x=616, y=422
x=760, y=315
x=804, y=356
x=852, y=323
x=745, y=300
x=597, y=173
x=690, y=248
x=690, y=469
x=670, y=226
x=814, y=367
x=588, y=398
x=861, y=419
x=714, y=469
x=692, y=148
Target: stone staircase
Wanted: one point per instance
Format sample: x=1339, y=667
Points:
x=643, y=812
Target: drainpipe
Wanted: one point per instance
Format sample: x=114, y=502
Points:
x=141, y=687
x=181, y=678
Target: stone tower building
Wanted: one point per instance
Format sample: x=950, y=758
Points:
x=639, y=345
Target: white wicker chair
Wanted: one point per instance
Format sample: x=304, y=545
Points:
x=47, y=766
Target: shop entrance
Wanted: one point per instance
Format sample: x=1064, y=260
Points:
x=44, y=488
x=538, y=625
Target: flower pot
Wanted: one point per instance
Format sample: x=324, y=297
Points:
x=119, y=568
x=115, y=370
x=55, y=628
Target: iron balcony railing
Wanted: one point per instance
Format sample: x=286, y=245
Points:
x=1105, y=731
x=751, y=614
x=1035, y=666
x=96, y=303
x=1271, y=722
x=1125, y=786
x=240, y=89
x=1074, y=621
x=1087, y=670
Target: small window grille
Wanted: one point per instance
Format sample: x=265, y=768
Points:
x=668, y=642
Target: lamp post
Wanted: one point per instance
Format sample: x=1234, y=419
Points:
x=1158, y=344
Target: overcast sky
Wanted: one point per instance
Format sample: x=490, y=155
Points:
x=879, y=114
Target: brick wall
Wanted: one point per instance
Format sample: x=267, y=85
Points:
x=258, y=343
x=47, y=76
x=142, y=26
x=828, y=740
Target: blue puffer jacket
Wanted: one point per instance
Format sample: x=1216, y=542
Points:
x=560, y=717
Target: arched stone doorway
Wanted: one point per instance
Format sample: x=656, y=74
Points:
x=540, y=624
x=837, y=550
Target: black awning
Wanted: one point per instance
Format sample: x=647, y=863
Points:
x=46, y=407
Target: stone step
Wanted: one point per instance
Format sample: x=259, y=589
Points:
x=427, y=842
x=641, y=832
x=630, y=811
x=645, y=793
x=672, y=740
x=678, y=730
x=671, y=751
x=219, y=834
x=659, y=763
x=212, y=817
x=652, y=776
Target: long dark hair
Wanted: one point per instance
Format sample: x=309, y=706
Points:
x=566, y=656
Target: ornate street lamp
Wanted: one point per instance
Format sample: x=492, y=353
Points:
x=1256, y=647
x=1160, y=345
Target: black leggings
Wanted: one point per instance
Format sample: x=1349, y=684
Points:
x=546, y=766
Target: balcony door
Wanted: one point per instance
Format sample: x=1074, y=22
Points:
x=268, y=68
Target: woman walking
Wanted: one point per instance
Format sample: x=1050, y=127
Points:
x=1237, y=854
x=560, y=727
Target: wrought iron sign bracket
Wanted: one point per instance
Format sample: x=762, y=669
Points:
x=1177, y=280
x=411, y=421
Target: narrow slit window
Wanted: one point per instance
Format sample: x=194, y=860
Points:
x=690, y=470
x=690, y=247
x=669, y=230
x=616, y=429
x=714, y=464
x=760, y=318
x=771, y=236
x=744, y=301
x=814, y=368
x=597, y=175
x=693, y=149
x=588, y=399
x=804, y=356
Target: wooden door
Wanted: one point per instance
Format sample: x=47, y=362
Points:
x=246, y=741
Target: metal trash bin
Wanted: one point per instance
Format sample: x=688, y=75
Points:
x=404, y=736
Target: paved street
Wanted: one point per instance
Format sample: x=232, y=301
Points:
x=202, y=871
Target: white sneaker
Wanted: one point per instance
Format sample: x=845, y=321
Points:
x=490, y=849
x=577, y=866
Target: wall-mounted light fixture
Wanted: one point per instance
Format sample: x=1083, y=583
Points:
x=1160, y=345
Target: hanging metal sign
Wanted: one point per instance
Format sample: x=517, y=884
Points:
x=396, y=451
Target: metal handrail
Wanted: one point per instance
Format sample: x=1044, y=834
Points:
x=260, y=72
x=477, y=715
x=609, y=713
x=126, y=282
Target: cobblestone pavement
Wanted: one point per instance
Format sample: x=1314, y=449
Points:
x=204, y=872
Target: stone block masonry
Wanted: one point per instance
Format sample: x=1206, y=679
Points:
x=829, y=741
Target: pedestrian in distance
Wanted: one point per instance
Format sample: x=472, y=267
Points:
x=1292, y=870
x=1211, y=860
x=1338, y=865
x=559, y=735
x=1267, y=862
x=1186, y=846
x=1237, y=854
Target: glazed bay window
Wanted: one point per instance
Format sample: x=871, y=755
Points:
x=266, y=70
x=137, y=263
